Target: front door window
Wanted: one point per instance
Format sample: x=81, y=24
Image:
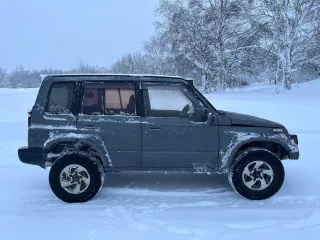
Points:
x=173, y=100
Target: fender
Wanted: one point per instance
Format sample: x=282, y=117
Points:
x=232, y=141
x=94, y=141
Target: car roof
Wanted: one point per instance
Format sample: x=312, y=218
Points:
x=107, y=76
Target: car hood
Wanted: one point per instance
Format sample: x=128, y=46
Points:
x=247, y=120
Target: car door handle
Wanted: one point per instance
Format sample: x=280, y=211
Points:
x=155, y=128
x=89, y=126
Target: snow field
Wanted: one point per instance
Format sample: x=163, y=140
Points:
x=167, y=205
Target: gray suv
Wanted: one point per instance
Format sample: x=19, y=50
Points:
x=83, y=126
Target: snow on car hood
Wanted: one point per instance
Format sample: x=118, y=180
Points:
x=247, y=120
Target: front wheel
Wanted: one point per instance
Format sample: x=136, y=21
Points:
x=76, y=177
x=256, y=174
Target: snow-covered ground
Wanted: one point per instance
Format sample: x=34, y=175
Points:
x=167, y=206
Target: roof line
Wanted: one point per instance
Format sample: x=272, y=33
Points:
x=109, y=75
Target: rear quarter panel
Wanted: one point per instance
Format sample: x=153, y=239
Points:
x=43, y=124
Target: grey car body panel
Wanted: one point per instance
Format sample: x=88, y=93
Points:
x=42, y=123
x=247, y=120
x=177, y=142
x=131, y=143
x=93, y=140
x=121, y=136
x=233, y=138
x=222, y=119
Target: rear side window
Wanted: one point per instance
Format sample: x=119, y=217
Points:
x=61, y=98
x=92, y=103
x=109, y=101
x=120, y=101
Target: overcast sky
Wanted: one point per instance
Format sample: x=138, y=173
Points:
x=58, y=33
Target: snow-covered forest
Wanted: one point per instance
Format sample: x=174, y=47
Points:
x=218, y=43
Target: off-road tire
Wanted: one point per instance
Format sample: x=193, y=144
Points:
x=91, y=165
x=243, y=159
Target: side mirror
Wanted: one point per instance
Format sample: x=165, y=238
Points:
x=210, y=118
x=184, y=111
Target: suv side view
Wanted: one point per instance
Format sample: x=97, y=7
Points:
x=83, y=126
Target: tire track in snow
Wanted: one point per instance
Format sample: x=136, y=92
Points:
x=117, y=214
x=312, y=219
x=139, y=218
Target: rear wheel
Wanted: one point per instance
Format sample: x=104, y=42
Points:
x=76, y=177
x=256, y=174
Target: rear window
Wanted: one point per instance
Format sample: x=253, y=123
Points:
x=60, y=98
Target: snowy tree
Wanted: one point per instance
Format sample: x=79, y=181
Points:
x=157, y=54
x=129, y=64
x=47, y=71
x=23, y=78
x=207, y=32
x=288, y=27
x=161, y=60
x=155, y=58
x=86, y=68
x=3, y=78
x=188, y=34
x=17, y=77
x=218, y=43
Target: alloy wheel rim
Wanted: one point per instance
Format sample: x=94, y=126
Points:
x=257, y=175
x=74, y=179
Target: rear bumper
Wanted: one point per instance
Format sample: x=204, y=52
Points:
x=32, y=155
x=294, y=150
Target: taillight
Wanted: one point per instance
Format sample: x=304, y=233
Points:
x=29, y=117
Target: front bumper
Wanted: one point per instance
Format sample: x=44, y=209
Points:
x=32, y=155
x=294, y=150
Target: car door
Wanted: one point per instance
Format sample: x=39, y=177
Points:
x=175, y=132
x=109, y=111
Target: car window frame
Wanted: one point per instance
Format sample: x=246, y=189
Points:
x=73, y=109
x=110, y=84
x=146, y=97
